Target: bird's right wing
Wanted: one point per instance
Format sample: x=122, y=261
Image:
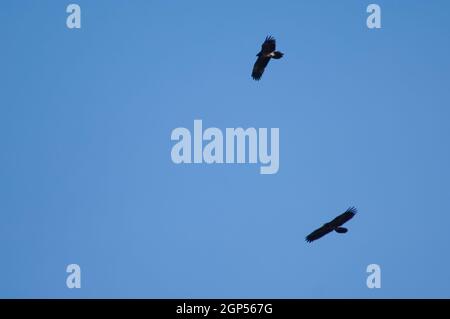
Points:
x=318, y=233
x=259, y=66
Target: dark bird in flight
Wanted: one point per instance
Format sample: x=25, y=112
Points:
x=267, y=52
x=335, y=225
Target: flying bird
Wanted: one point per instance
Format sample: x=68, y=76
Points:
x=334, y=225
x=268, y=51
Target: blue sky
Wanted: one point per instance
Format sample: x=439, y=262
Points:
x=86, y=175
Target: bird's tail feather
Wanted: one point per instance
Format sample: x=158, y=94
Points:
x=277, y=55
x=341, y=230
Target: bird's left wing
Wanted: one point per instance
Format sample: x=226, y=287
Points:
x=269, y=45
x=344, y=217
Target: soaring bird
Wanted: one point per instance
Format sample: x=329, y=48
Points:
x=267, y=52
x=335, y=225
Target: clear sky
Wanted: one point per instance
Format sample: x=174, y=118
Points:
x=86, y=175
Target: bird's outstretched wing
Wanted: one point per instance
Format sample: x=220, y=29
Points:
x=333, y=225
x=268, y=45
x=344, y=217
x=318, y=233
x=259, y=66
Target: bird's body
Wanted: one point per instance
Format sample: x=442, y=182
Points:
x=334, y=225
x=268, y=51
